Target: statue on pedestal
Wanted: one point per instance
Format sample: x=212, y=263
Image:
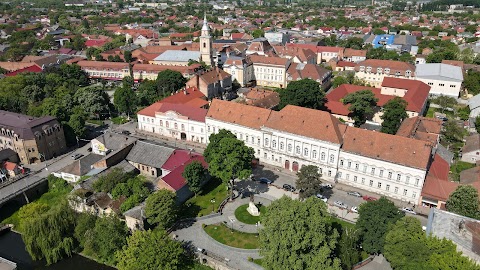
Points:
x=253, y=210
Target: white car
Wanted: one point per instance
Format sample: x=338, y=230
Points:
x=327, y=186
x=340, y=204
x=354, y=209
x=409, y=210
x=321, y=197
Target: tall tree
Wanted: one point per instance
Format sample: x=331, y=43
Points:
x=228, y=158
x=195, y=175
x=361, y=105
x=77, y=122
x=125, y=100
x=394, y=112
x=169, y=81
x=452, y=132
x=305, y=93
x=308, y=180
x=161, y=209
x=127, y=55
x=348, y=248
x=50, y=235
x=147, y=250
x=298, y=235
x=464, y=201
x=445, y=102
x=85, y=222
x=107, y=237
x=373, y=221
x=406, y=245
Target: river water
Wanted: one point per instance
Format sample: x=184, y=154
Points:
x=12, y=248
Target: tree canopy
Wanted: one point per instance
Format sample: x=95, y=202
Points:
x=298, y=235
x=150, y=250
x=169, y=81
x=195, y=175
x=394, y=112
x=308, y=180
x=125, y=100
x=361, y=105
x=445, y=102
x=304, y=93
x=464, y=201
x=161, y=209
x=227, y=157
x=373, y=221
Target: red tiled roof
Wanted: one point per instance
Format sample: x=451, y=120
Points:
x=95, y=42
x=179, y=157
x=391, y=148
x=345, y=64
x=334, y=104
x=33, y=68
x=240, y=114
x=190, y=97
x=417, y=91
x=394, y=66
x=439, y=168
x=175, y=179
x=438, y=189
x=196, y=114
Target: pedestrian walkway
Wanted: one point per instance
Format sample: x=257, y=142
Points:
x=229, y=211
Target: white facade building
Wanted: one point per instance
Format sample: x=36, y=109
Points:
x=443, y=79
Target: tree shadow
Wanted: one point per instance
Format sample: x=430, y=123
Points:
x=248, y=187
x=7, y=209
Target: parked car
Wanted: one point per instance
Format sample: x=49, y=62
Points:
x=354, y=193
x=354, y=209
x=265, y=180
x=408, y=210
x=326, y=185
x=368, y=198
x=76, y=156
x=321, y=197
x=126, y=132
x=288, y=187
x=340, y=204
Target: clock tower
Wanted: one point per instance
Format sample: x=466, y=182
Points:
x=206, y=44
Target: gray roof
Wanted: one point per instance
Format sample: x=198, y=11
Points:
x=82, y=166
x=137, y=212
x=405, y=40
x=474, y=102
x=444, y=153
x=115, y=141
x=23, y=125
x=439, y=71
x=178, y=56
x=149, y=154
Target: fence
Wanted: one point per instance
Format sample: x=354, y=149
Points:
x=363, y=263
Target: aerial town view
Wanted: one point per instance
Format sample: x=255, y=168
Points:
x=239, y=135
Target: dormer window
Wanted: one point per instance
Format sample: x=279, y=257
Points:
x=397, y=73
x=387, y=70
x=379, y=70
x=362, y=68
x=369, y=69
x=408, y=73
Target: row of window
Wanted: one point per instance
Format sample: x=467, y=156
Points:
x=373, y=170
x=105, y=74
x=379, y=185
x=442, y=84
x=386, y=71
x=298, y=150
x=167, y=124
x=269, y=70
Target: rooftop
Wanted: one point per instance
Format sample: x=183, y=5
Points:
x=149, y=154
x=236, y=113
x=178, y=56
x=440, y=72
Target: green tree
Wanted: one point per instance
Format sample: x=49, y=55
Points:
x=308, y=180
x=477, y=124
x=394, y=112
x=147, y=93
x=373, y=221
x=406, y=245
x=106, y=183
x=348, y=248
x=361, y=105
x=85, y=222
x=161, y=209
x=107, y=237
x=228, y=158
x=169, y=81
x=305, y=93
x=77, y=122
x=257, y=33
x=94, y=101
x=298, y=235
x=150, y=250
x=50, y=235
x=464, y=201
x=445, y=102
x=471, y=82
x=127, y=55
x=195, y=175
x=125, y=100
x=452, y=132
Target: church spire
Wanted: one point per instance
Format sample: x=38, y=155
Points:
x=205, y=23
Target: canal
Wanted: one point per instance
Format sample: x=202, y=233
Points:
x=12, y=248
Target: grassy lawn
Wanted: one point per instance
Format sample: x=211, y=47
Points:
x=258, y=261
x=202, y=205
x=432, y=110
x=242, y=214
x=199, y=266
x=119, y=120
x=225, y=235
x=95, y=122
x=458, y=167
x=340, y=224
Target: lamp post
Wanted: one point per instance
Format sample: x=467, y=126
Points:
x=213, y=205
x=44, y=159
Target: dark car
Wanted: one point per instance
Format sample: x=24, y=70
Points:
x=126, y=132
x=265, y=180
x=288, y=187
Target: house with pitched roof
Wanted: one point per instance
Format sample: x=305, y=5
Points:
x=298, y=71
x=386, y=164
x=270, y=71
x=415, y=93
x=372, y=71
x=442, y=78
x=240, y=68
x=471, y=150
x=421, y=128
x=212, y=83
